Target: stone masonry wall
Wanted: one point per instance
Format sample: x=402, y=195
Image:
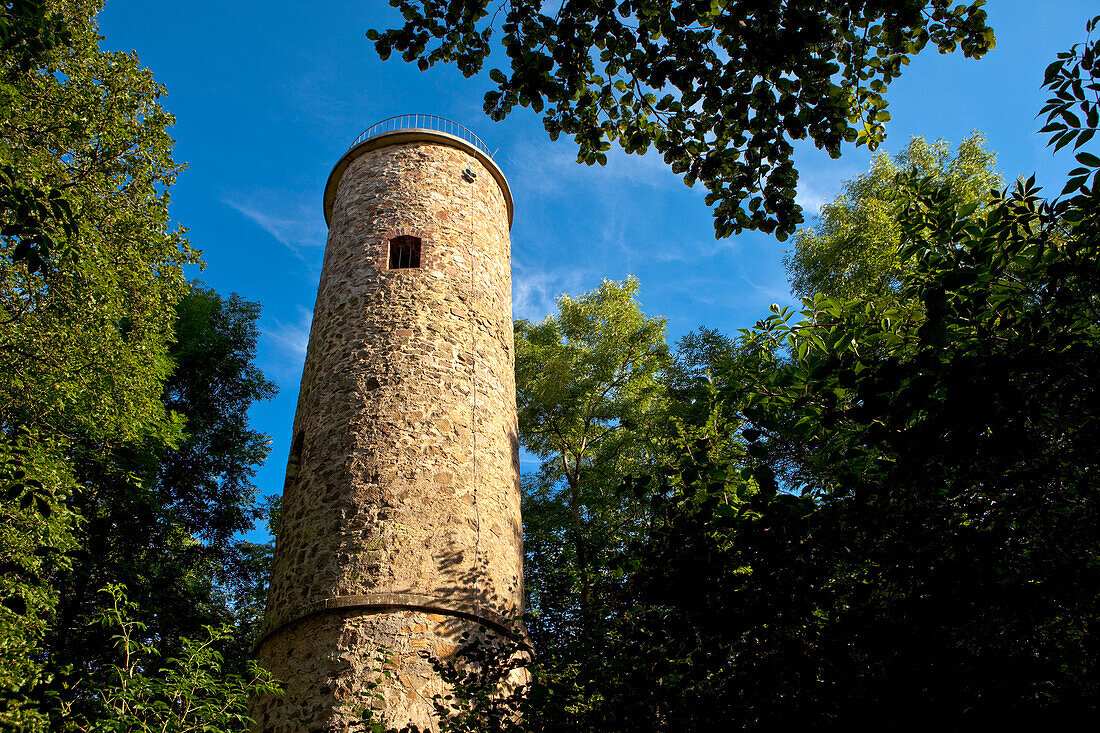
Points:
x=400, y=518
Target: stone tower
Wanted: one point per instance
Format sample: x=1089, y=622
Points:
x=400, y=527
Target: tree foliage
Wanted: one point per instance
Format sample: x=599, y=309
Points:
x=143, y=691
x=182, y=503
x=878, y=510
x=886, y=518
x=36, y=536
x=590, y=400
x=916, y=546
x=853, y=249
x=89, y=274
x=721, y=89
x=125, y=452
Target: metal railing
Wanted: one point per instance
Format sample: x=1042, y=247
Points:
x=423, y=122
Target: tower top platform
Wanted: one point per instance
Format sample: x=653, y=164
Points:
x=416, y=128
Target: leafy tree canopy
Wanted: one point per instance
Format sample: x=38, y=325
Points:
x=720, y=88
x=37, y=530
x=181, y=502
x=587, y=375
x=90, y=273
x=920, y=550
x=90, y=269
x=589, y=398
x=887, y=520
x=853, y=249
x=125, y=452
x=590, y=405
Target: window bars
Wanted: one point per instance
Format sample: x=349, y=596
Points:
x=404, y=252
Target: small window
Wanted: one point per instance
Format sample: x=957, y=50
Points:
x=404, y=252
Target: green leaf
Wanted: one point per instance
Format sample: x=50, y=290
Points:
x=1088, y=159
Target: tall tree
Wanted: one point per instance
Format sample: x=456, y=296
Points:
x=90, y=272
x=589, y=398
x=888, y=518
x=918, y=549
x=125, y=451
x=720, y=89
x=853, y=249
x=89, y=280
x=181, y=503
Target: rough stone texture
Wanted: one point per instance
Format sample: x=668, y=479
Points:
x=400, y=516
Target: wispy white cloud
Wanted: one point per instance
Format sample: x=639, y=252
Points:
x=293, y=337
x=776, y=291
x=286, y=217
x=548, y=168
x=287, y=344
x=811, y=199
x=821, y=178
x=614, y=232
x=535, y=290
x=312, y=95
x=691, y=252
x=819, y=185
x=316, y=91
x=591, y=205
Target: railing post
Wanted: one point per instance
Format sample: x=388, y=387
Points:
x=419, y=121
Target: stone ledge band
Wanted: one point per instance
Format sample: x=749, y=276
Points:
x=382, y=602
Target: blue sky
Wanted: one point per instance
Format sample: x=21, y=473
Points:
x=268, y=95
